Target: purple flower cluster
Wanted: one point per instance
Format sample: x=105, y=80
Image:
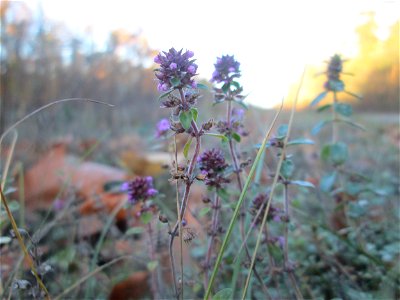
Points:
x=176, y=69
x=141, y=188
x=335, y=67
x=226, y=69
x=162, y=127
x=274, y=213
x=212, y=164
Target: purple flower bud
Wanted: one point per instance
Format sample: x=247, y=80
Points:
x=231, y=69
x=276, y=218
x=194, y=84
x=191, y=69
x=165, y=87
x=281, y=241
x=189, y=54
x=124, y=187
x=162, y=127
x=157, y=59
x=151, y=192
x=173, y=66
x=58, y=204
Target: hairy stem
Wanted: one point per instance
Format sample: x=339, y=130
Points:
x=185, y=197
x=335, y=118
x=213, y=232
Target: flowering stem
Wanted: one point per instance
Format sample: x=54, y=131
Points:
x=186, y=193
x=272, y=187
x=335, y=118
x=287, y=267
x=240, y=186
x=238, y=205
x=213, y=232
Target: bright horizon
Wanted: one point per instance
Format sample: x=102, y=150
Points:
x=273, y=41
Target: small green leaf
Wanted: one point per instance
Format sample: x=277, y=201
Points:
x=175, y=81
x=165, y=94
x=242, y=104
x=334, y=153
x=354, y=124
x=225, y=88
x=223, y=294
x=336, y=85
x=236, y=137
x=317, y=128
x=221, y=136
x=300, y=141
x=354, y=95
x=146, y=217
x=302, y=183
x=327, y=182
x=186, y=118
x=223, y=194
x=319, y=98
x=204, y=211
x=152, y=265
x=282, y=131
x=287, y=168
x=187, y=147
x=323, y=107
x=134, y=230
x=236, y=84
x=202, y=86
x=195, y=113
x=344, y=109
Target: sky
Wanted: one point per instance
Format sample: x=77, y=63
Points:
x=273, y=40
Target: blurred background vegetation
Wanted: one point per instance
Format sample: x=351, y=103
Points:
x=41, y=61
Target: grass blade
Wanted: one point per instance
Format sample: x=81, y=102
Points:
x=238, y=205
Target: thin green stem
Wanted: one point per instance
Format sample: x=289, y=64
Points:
x=275, y=181
x=238, y=205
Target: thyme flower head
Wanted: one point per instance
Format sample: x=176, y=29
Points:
x=176, y=70
x=141, y=188
x=335, y=67
x=226, y=69
x=212, y=163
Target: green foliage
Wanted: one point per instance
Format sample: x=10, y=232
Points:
x=335, y=154
x=146, y=217
x=344, y=109
x=223, y=294
x=186, y=118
